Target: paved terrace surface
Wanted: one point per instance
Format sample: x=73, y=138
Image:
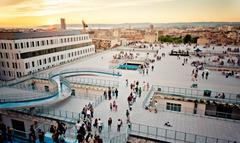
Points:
x=168, y=72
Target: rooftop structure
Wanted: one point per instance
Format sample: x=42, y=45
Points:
x=24, y=53
x=185, y=108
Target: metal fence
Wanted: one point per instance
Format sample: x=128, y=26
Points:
x=185, y=92
x=91, y=70
x=197, y=94
x=172, y=135
x=6, y=98
x=57, y=114
x=202, y=113
x=94, y=81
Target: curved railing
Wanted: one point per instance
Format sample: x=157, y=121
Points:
x=31, y=97
x=59, y=94
x=23, y=97
x=91, y=70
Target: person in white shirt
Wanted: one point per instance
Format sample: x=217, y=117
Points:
x=100, y=125
x=78, y=125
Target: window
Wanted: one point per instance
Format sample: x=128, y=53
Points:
x=52, y=50
x=6, y=55
x=33, y=64
x=42, y=42
x=16, y=46
x=58, y=58
x=38, y=43
x=5, y=45
x=17, y=56
x=54, y=59
x=32, y=43
x=27, y=44
x=22, y=45
x=26, y=65
x=16, y=65
x=51, y=41
x=173, y=107
x=44, y=61
x=13, y=65
x=47, y=42
x=1, y=55
x=49, y=60
x=40, y=62
x=7, y=64
x=10, y=45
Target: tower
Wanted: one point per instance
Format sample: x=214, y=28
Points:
x=63, y=24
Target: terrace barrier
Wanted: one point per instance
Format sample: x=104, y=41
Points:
x=162, y=134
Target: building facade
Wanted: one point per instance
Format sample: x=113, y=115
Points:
x=23, y=53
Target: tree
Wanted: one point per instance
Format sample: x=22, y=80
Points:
x=187, y=39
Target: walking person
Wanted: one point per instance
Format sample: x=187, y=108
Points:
x=127, y=114
x=116, y=93
x=105, y=95
x=207, y=73
x=126, y=82
x=109, y=123
x=203, y=75
x=139, y=91
x=109, y=93
x=100, y=125
x=119, y=124
x=111, y=106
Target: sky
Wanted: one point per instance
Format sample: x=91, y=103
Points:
x=30, y=13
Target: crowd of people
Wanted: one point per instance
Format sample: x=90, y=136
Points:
x=111, y=92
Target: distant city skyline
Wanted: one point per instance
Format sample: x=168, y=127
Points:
x=30, y=13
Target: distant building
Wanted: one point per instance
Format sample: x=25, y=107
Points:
x=150, y=37
x=24, y=53
x=202, y=41
x=105, y=38
x=63, y=24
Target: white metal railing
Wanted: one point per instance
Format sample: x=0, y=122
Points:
x=162, y=134
x=94, y=81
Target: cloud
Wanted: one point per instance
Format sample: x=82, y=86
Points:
x=16, y=8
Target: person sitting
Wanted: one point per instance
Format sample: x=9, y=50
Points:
x=167, y=124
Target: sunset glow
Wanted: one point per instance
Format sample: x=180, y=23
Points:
x=23, y=13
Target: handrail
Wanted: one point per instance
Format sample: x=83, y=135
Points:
x=187, y=111
x=197, y=93
x=7, y=98
x=202, y=113
x=94, y=81
x=165, y=134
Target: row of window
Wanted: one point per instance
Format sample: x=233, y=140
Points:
x=5, y=46
x=49, y=42
x=7, y=65
x=173, y=107
x=52, y=50
x=10, y=73
x=57, y=58
x=7, y=56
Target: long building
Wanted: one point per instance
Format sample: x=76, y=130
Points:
x=23, y=53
